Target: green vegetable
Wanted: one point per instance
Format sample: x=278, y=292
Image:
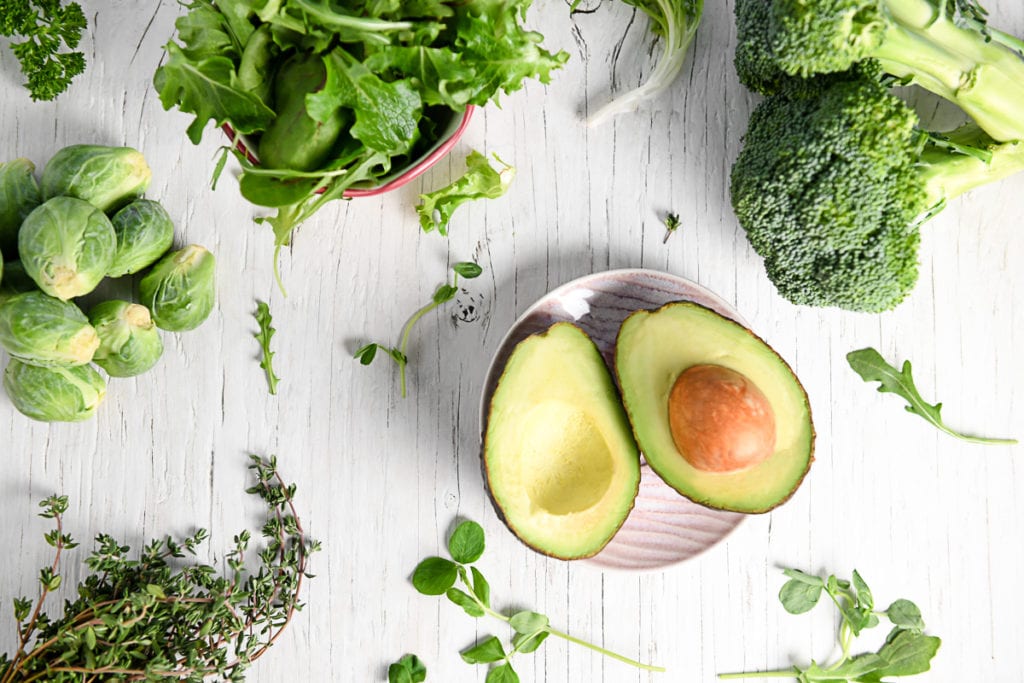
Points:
x=395, y=75
x=265, y=321
x=19, y=194
x=129, y=342
x=940, y=45
x=443, y=294
x=439, y=576
x=106, y=177
x=480, y=181
x=870, y=365
x=675, y=22
x=671, y=225
x=179, y=290
x=408, y=669
x=41, y=330
x=54, y=394
x=906, y=651
x=144, y=233
x=831, y=190
x=14, y=280
x=47, y=28
x=67, y=246
x=159, y=616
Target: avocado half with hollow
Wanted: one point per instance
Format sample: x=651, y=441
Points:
x=717, y=413
x=559, y=456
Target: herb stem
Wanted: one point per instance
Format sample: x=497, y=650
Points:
x=606, y=653
x=780, y=673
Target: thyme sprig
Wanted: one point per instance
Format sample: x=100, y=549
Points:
x=157, y=618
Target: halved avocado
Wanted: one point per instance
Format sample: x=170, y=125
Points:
x=653, y=351
x=559, y=457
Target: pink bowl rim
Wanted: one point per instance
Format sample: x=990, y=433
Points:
x=407, y=176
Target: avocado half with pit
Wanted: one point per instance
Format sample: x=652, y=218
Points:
x=559, y=456
x=716, y=412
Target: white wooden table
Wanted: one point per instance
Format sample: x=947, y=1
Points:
x=381, y=479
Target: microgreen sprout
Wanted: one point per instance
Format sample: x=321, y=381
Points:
x=671, y=225
x=439, y=576
x=443, y=294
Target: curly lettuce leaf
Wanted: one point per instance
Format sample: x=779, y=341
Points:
x=480, y=181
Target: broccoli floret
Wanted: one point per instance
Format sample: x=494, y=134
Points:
x=831, y=190
x=941, y=45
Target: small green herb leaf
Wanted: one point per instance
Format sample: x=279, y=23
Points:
x=481, y=587
x=468, y=269
x=798, y=596
x=486, y=652
x=905, y=614
x=528, y=623
x=463, y=600
x=671, y=225
x=266, y=333
x=870, y=365
x=502, y=674
x=366, y=354
x=864, y=597
x=434, y=576
x=528, y=643
x=408, y=669
x=445, y=293
x=466, y=544
x=480, y=181
x=907, y=653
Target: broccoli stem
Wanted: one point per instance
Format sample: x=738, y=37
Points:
x=948, y=173
x=984, y=77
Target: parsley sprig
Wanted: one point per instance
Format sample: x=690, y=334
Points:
x=906, y=651
x=443, y=294
x=157, y=618
x=48, y=31
x=438, y=576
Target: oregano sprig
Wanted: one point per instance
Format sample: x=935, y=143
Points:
x=443, y=294
x=906, y=651
x=465, y=586
x=156, y=618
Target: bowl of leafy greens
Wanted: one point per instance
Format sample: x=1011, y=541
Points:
x=343, y=97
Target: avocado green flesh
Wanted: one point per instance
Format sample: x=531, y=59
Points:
x=654, y=348
x=560, y=459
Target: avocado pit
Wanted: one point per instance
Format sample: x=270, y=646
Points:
x=720, y=420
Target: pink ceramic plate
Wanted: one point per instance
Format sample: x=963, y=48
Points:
x=664, y=528
x=444, y=144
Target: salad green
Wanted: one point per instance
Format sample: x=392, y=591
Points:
x=336, y=95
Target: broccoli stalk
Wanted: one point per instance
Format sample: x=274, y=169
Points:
x=831, y=189
x=942, y=45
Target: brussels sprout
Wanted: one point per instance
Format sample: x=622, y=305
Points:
x=19, y=194
x=14, y=280
x=144, y=234
x=106, y=177
x=129, y=342
x=179, y=289
x=67, y=246
x=41, y=330
x=54, y=394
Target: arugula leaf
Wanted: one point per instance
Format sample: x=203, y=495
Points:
x=47, y=29
x=265, y=320
x=870, y=365
x=480, y=181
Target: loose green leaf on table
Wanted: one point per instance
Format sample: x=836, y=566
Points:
x=436, y=576
x=906, y=651
x=480, y=181
x=266, y=332
x=443, y=294
x=671, y=225
x=870, y=365
x=42, y=33
x=408, y=669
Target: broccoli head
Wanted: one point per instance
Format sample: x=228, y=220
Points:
x=831, y=190
x=942, y=45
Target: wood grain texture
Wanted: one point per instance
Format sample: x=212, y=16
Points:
x=382, y=479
